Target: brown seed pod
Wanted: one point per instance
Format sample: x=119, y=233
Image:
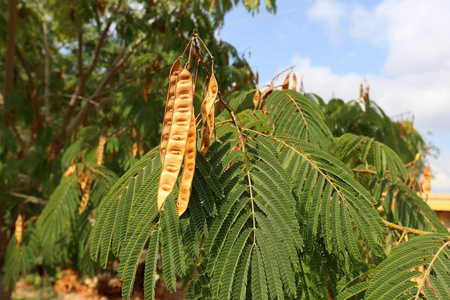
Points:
x=285, y=84
x=100, y=149
x=426, y=182
x=294, y=82
x=256, y=99
x=19, y=228
x=85, y=187
x=208, y=102
x=207, y=132
x=168, y=114
x=184, y=192
x=208, y=113
x=73, y=168
x=176, y=145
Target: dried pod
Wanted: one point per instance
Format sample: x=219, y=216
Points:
x=184, y=192
x=135, y=148
x=294, y=82
x=211, y=95
x=208, y=113
x=426, y=182
x=68, y=173
x=207, y=132
x=361, y=92
x=256, y=99
x=285, y=84
x=85, y=187
x=100, y=149
x=176, y=145
x=168, y=114
x=19, y=228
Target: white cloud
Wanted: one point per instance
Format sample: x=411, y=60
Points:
x=416, y=33
x=426, y=95
x=415, y=76
x=329, y=15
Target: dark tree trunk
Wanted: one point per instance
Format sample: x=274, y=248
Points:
x=5, y=294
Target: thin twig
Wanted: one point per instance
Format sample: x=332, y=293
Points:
x=29, y=198
x=365, y=171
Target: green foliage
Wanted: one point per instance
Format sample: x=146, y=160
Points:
x=290, y=201
x=271, y=212
x=102, y=75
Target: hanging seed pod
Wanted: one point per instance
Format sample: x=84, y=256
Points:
x=361, y=93
x=73, y=168
x=211, y=95
x=208, y=113
x=207, y=132
x=184, y=193
x=100, y=149
x=256, y=99
x=426, y=182
x=168, y=114
x=285, y=84
x=19, y=228
x=176, y=145
x=85, y=187
x=294, y=82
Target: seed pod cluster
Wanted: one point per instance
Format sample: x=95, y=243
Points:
x=176, y=129
x=179, y=131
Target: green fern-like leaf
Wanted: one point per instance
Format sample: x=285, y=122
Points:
x=297, y=116
x=392, y=279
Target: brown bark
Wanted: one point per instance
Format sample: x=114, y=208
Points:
x=5, y=294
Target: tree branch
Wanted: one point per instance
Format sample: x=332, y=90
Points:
x=29, y=199
x=94, y=57
x=116, y=66
x=80, y=54
x=25, y=65
x=60, y=138
x=19, y=139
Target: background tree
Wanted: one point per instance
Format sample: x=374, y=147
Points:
x=76, y=72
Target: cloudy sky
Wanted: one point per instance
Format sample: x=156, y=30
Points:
x=401, y=48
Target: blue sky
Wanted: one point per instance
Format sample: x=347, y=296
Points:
x=400, y=47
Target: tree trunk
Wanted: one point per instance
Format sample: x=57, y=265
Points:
x=5, y=294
